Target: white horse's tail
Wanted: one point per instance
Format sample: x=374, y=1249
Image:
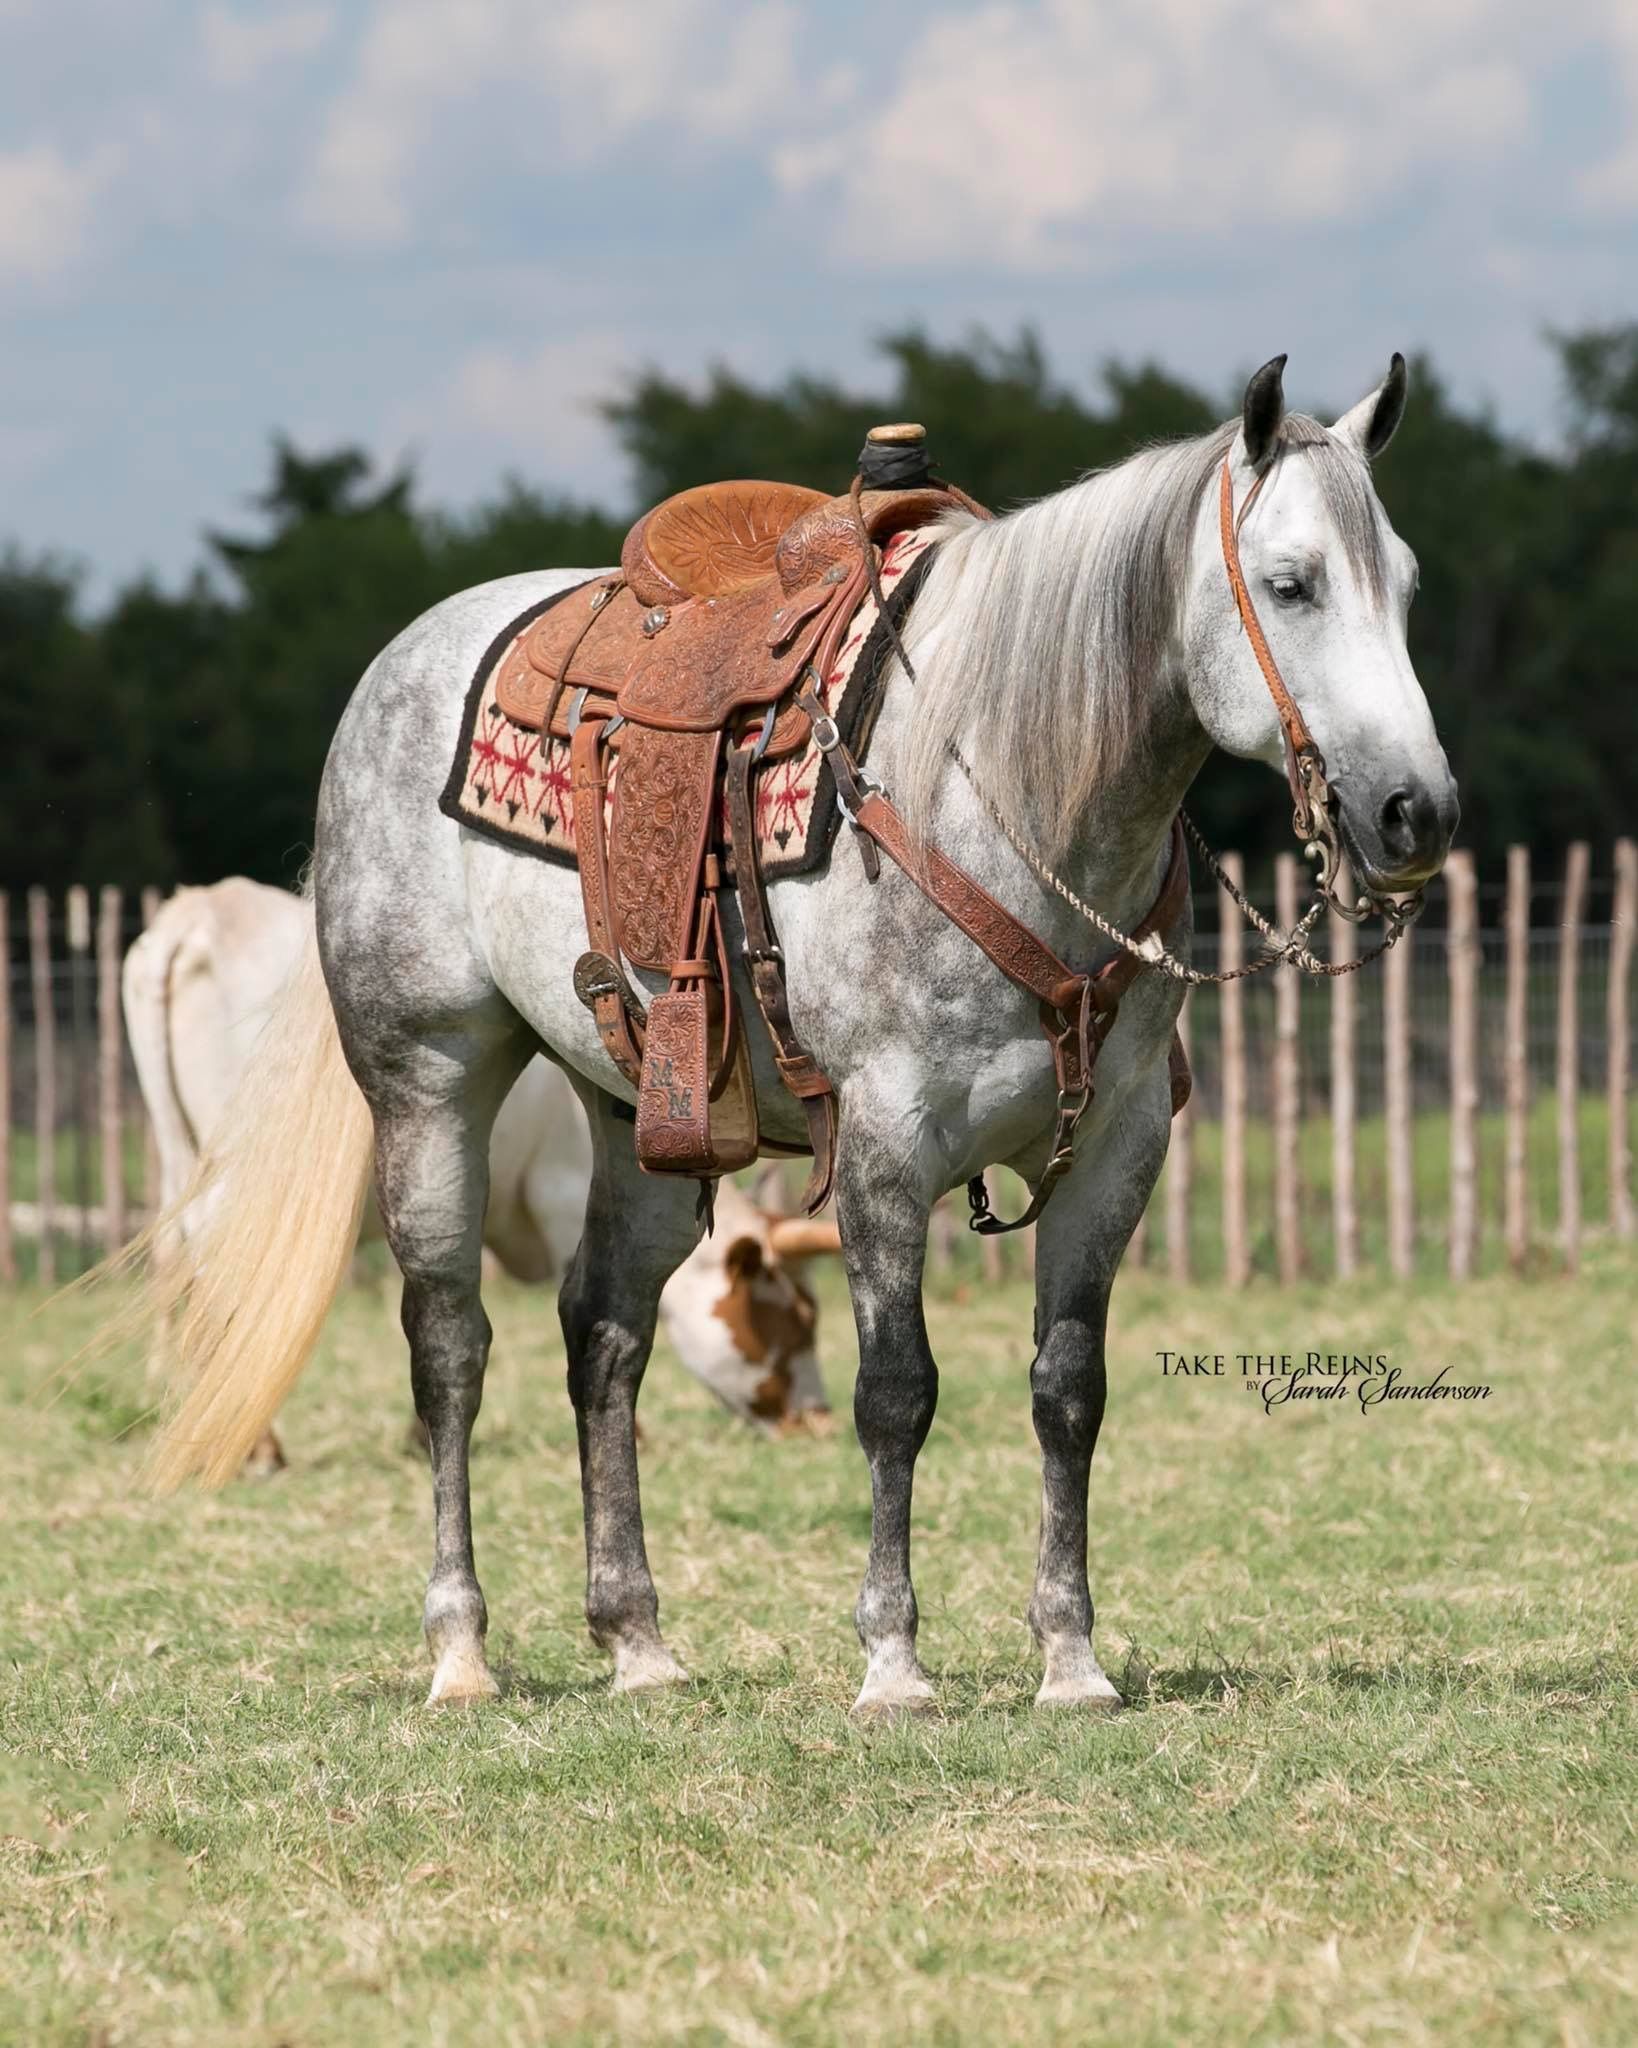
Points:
x=272, y=1217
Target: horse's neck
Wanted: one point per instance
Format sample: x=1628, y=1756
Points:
x=1126, y=829
x=1115, y=858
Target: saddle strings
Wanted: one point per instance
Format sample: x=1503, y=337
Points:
x=1280, y=948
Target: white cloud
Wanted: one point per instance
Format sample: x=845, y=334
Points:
x=510, y=78
x=540, y=406
x=46, y=208
x=1017, y=134
x=1612, y=185
x=238, y=48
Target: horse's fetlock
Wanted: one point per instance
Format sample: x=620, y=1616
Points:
x=618, y=1608
x=886, y=1612
x=453, y=1614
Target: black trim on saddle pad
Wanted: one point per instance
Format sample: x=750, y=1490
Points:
x=450, y=802
x=855, y=719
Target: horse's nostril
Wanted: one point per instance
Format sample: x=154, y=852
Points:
x=1398, y=820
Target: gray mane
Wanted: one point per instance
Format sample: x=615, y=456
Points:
x=1057, y=618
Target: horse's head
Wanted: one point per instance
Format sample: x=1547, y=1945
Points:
x=1332, y=583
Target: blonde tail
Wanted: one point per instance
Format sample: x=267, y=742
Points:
x=271, y=1218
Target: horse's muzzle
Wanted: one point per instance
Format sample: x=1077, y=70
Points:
x=1402, y=840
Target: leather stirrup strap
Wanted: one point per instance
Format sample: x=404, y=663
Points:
x=797, y=1067
x=599, y=979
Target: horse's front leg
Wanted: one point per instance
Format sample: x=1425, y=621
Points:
x=1080, y=1240
x=883, y=1217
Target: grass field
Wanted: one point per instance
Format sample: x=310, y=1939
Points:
x=1380, y=1782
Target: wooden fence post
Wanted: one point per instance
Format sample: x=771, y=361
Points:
x=1623, y=926
x=1516, y=1062
x=1569, y=1052
x=1287, y=1084
x=1344, y=1102
x=1236, y=1241
x=78, y=907
x=110, y=1072
x=1396, y=1052
x=8, y=1253
x=1462, y=883
x=1516, y=1057
x=45, y=1083
x=1180, y=1173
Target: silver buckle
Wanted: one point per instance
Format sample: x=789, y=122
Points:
x=868, y=786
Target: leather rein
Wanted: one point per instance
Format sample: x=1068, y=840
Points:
x=1078, y=1010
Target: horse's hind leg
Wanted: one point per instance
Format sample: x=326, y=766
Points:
x=638, y=1230
x=432, y=1119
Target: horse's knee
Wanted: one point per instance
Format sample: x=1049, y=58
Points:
x=894, y=1402
x=1068, y=1388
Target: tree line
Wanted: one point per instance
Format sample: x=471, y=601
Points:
x=178, y=734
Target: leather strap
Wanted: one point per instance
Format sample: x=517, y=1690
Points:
x=797, y=1067
x=1304, y=763
x=599, y=978
x=1077, y=1010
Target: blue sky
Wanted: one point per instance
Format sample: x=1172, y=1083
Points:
x=441, y=227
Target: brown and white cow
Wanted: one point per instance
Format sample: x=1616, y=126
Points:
x=198, y=987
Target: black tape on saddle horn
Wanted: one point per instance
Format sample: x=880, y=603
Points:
x=894, y=465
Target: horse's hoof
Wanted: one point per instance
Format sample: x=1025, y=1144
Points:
x=266, y=1459
x=462, y=1680
x=648, y=1671
x=1083, y=1696
x=886, y=1709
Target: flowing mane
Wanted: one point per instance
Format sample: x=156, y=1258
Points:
x=1057, y=619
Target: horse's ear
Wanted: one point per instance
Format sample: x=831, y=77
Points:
x=1263, y=411
x=1370, y=425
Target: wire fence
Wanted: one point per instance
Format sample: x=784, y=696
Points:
x=1463, y=1106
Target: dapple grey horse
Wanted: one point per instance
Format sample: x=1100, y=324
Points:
x=1085, y=654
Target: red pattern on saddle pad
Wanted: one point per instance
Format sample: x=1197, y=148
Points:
x=509, y=785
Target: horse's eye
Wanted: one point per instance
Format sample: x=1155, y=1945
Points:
x=1286, y=588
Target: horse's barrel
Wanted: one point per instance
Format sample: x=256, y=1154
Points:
x=894, y=458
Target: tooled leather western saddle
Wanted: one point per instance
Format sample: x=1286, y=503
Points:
x=694, y=665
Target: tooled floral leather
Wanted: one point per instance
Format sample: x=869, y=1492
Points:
x=827, y=537
x=662, y=814
x=711, y=540
x=673, y=1100
x=714, y=658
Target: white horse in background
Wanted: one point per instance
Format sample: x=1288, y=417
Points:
x=199, y=986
